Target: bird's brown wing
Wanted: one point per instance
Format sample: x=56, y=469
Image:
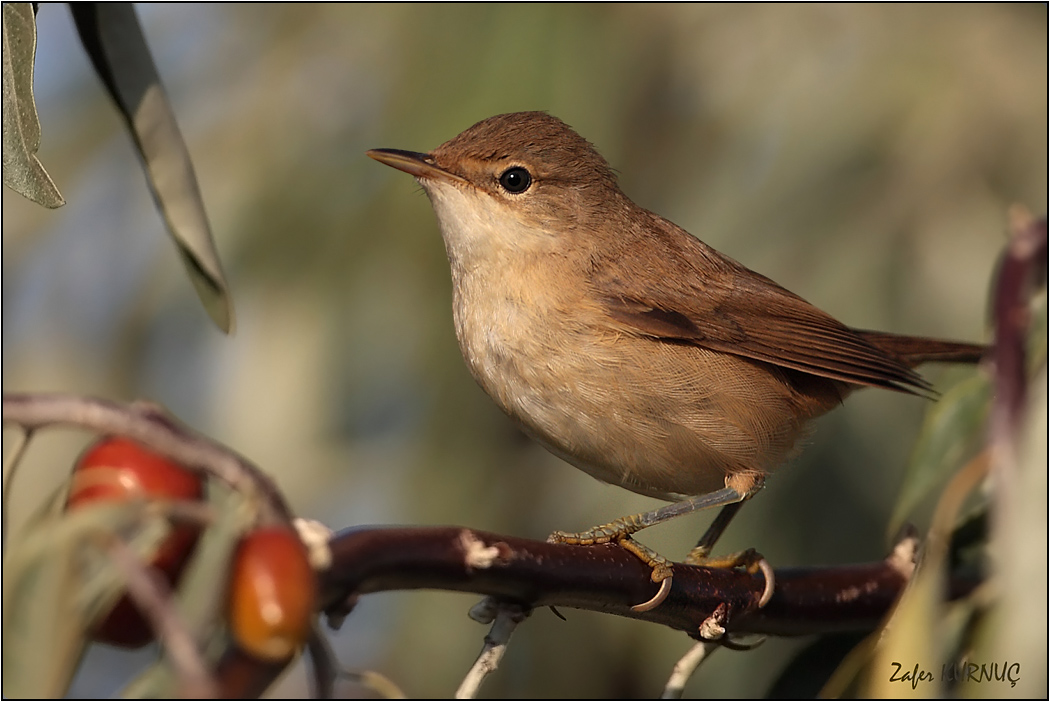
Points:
x=704, y=298
x=915, y=350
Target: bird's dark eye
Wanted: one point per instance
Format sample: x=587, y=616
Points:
x=515, y=180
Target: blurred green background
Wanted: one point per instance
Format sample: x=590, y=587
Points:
x=863, y=156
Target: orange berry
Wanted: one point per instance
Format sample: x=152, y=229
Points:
x=273, y=594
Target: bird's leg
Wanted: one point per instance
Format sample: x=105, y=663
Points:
x=702, y=550
x=619, y=531
x=752, y=561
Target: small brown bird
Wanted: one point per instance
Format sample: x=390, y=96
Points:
x=622, y=343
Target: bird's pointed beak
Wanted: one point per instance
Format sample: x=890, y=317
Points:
x=413, y=163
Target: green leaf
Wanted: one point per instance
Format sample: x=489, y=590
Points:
x=952, y=430
x=23, y=171
x=113, y=38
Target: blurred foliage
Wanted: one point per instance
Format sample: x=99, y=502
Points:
x=864, y=156
x=57, y=580
x=202, y=595
x=953, y=430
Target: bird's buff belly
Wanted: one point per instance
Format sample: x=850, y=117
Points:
x=615, y=415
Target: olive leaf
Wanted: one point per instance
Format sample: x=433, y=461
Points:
x=114, y=41
x=23, y=171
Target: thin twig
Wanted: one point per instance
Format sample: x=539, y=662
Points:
x=685, y=667
x=153, y=598
x=322, y=664
x=376, y=682
x=508, y=616
x=150, y=425
x=10, y=468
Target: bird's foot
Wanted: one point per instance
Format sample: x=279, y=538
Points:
x=619, y=532
x=750, y=560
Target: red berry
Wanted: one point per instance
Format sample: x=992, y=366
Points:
x=273, y=594
x=116, y=469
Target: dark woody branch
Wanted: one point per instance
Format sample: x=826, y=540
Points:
x=600, y=578
x=597, y=578
x=608, y=579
